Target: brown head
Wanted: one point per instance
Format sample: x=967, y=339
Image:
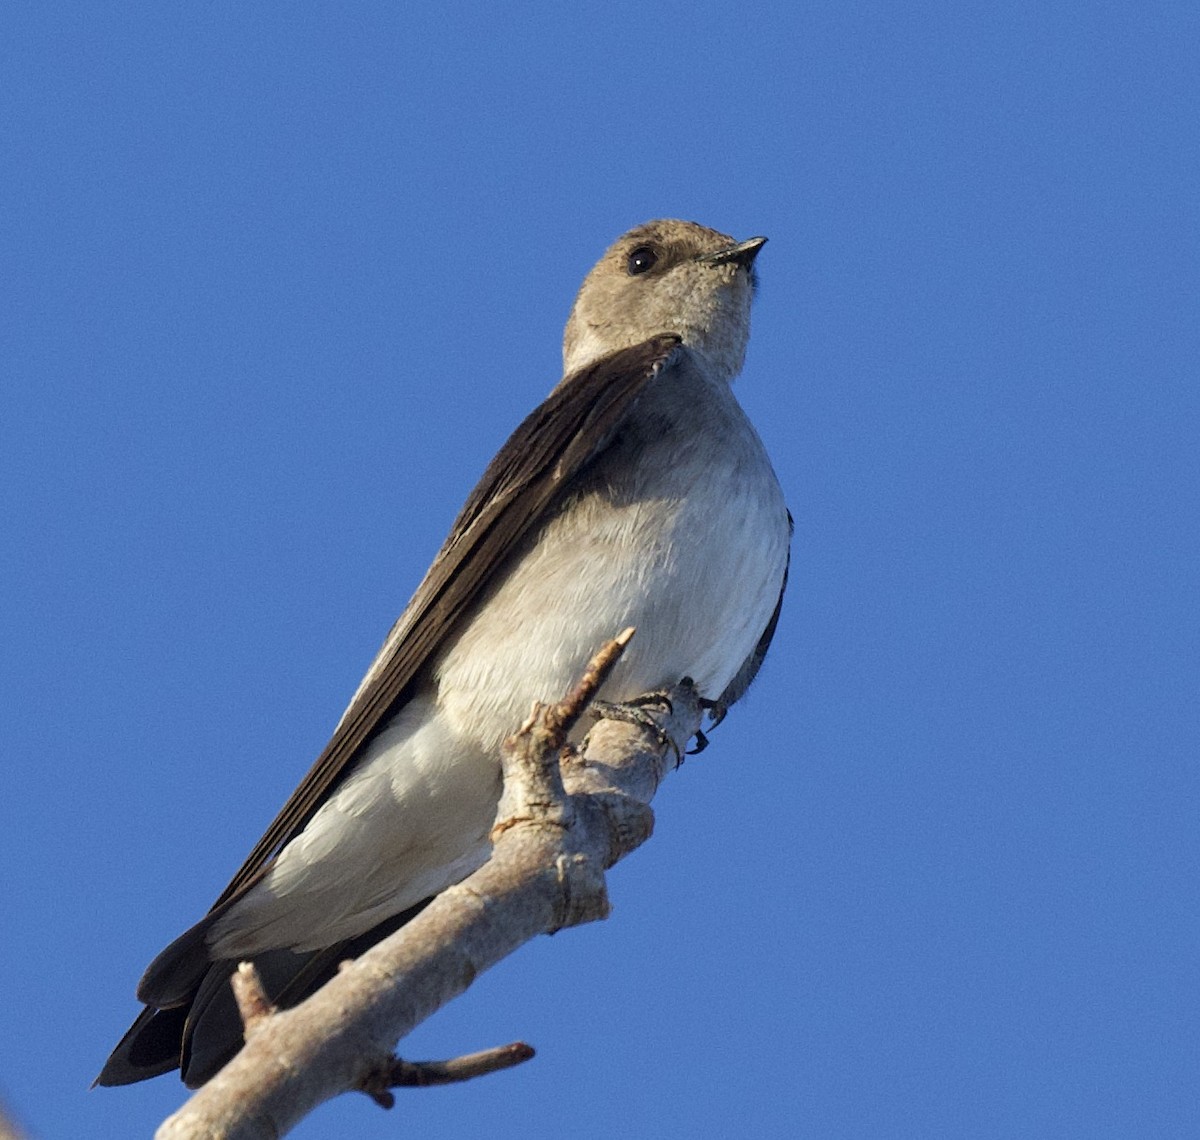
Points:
x=666, y=276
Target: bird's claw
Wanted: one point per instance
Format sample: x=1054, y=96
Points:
x=660, y=701
x=716, y=710
x=638, y=711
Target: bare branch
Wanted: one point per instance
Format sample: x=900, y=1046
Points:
x=561, y=822
x=252, y=1002
x=8, y=1127
x=421, y=1074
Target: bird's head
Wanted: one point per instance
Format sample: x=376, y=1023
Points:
x=667, y=276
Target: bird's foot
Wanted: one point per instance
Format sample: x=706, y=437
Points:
x=716, y=713
x=640, y=711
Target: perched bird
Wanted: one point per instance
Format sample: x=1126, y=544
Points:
x=638, y=494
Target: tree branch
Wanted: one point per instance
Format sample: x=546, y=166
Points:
x=8, y=1127
x=254, y=1008
x=399, y=1073
x=563, y=819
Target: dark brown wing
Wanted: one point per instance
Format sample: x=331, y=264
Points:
x=555, y=441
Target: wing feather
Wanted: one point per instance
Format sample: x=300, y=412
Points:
x=550, y=447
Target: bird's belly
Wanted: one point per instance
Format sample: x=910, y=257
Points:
x=698, y=575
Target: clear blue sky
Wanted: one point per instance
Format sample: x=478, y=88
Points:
x=280, y=279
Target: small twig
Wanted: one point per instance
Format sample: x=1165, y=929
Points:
x=530, y=759
x=421, y=1074
x=561, y=717
x=252, y=1002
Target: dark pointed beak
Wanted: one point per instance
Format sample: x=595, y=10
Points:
x=742, y=254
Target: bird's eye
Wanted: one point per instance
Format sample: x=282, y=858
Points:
x=641, y=260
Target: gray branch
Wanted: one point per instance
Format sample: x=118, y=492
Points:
x=564, y=819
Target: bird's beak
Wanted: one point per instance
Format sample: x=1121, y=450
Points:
x=742, y=254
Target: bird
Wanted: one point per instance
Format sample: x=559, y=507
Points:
x=638, y=494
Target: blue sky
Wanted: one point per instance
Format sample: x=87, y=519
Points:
x=280, y=279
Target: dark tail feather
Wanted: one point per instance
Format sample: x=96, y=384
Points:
x=212, y=1034
x=149, y=1049
x=204, y=1032
x=178, y=971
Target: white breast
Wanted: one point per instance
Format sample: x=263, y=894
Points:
x=681, y=531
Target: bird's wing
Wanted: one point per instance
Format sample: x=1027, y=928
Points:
x=575, y=423
x=555, y=441
x=736, y=689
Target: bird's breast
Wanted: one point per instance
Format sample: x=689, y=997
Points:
x=679, y=529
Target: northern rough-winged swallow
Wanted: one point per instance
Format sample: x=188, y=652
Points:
x=638, y=494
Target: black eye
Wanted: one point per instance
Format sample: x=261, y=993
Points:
x=641, y=260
